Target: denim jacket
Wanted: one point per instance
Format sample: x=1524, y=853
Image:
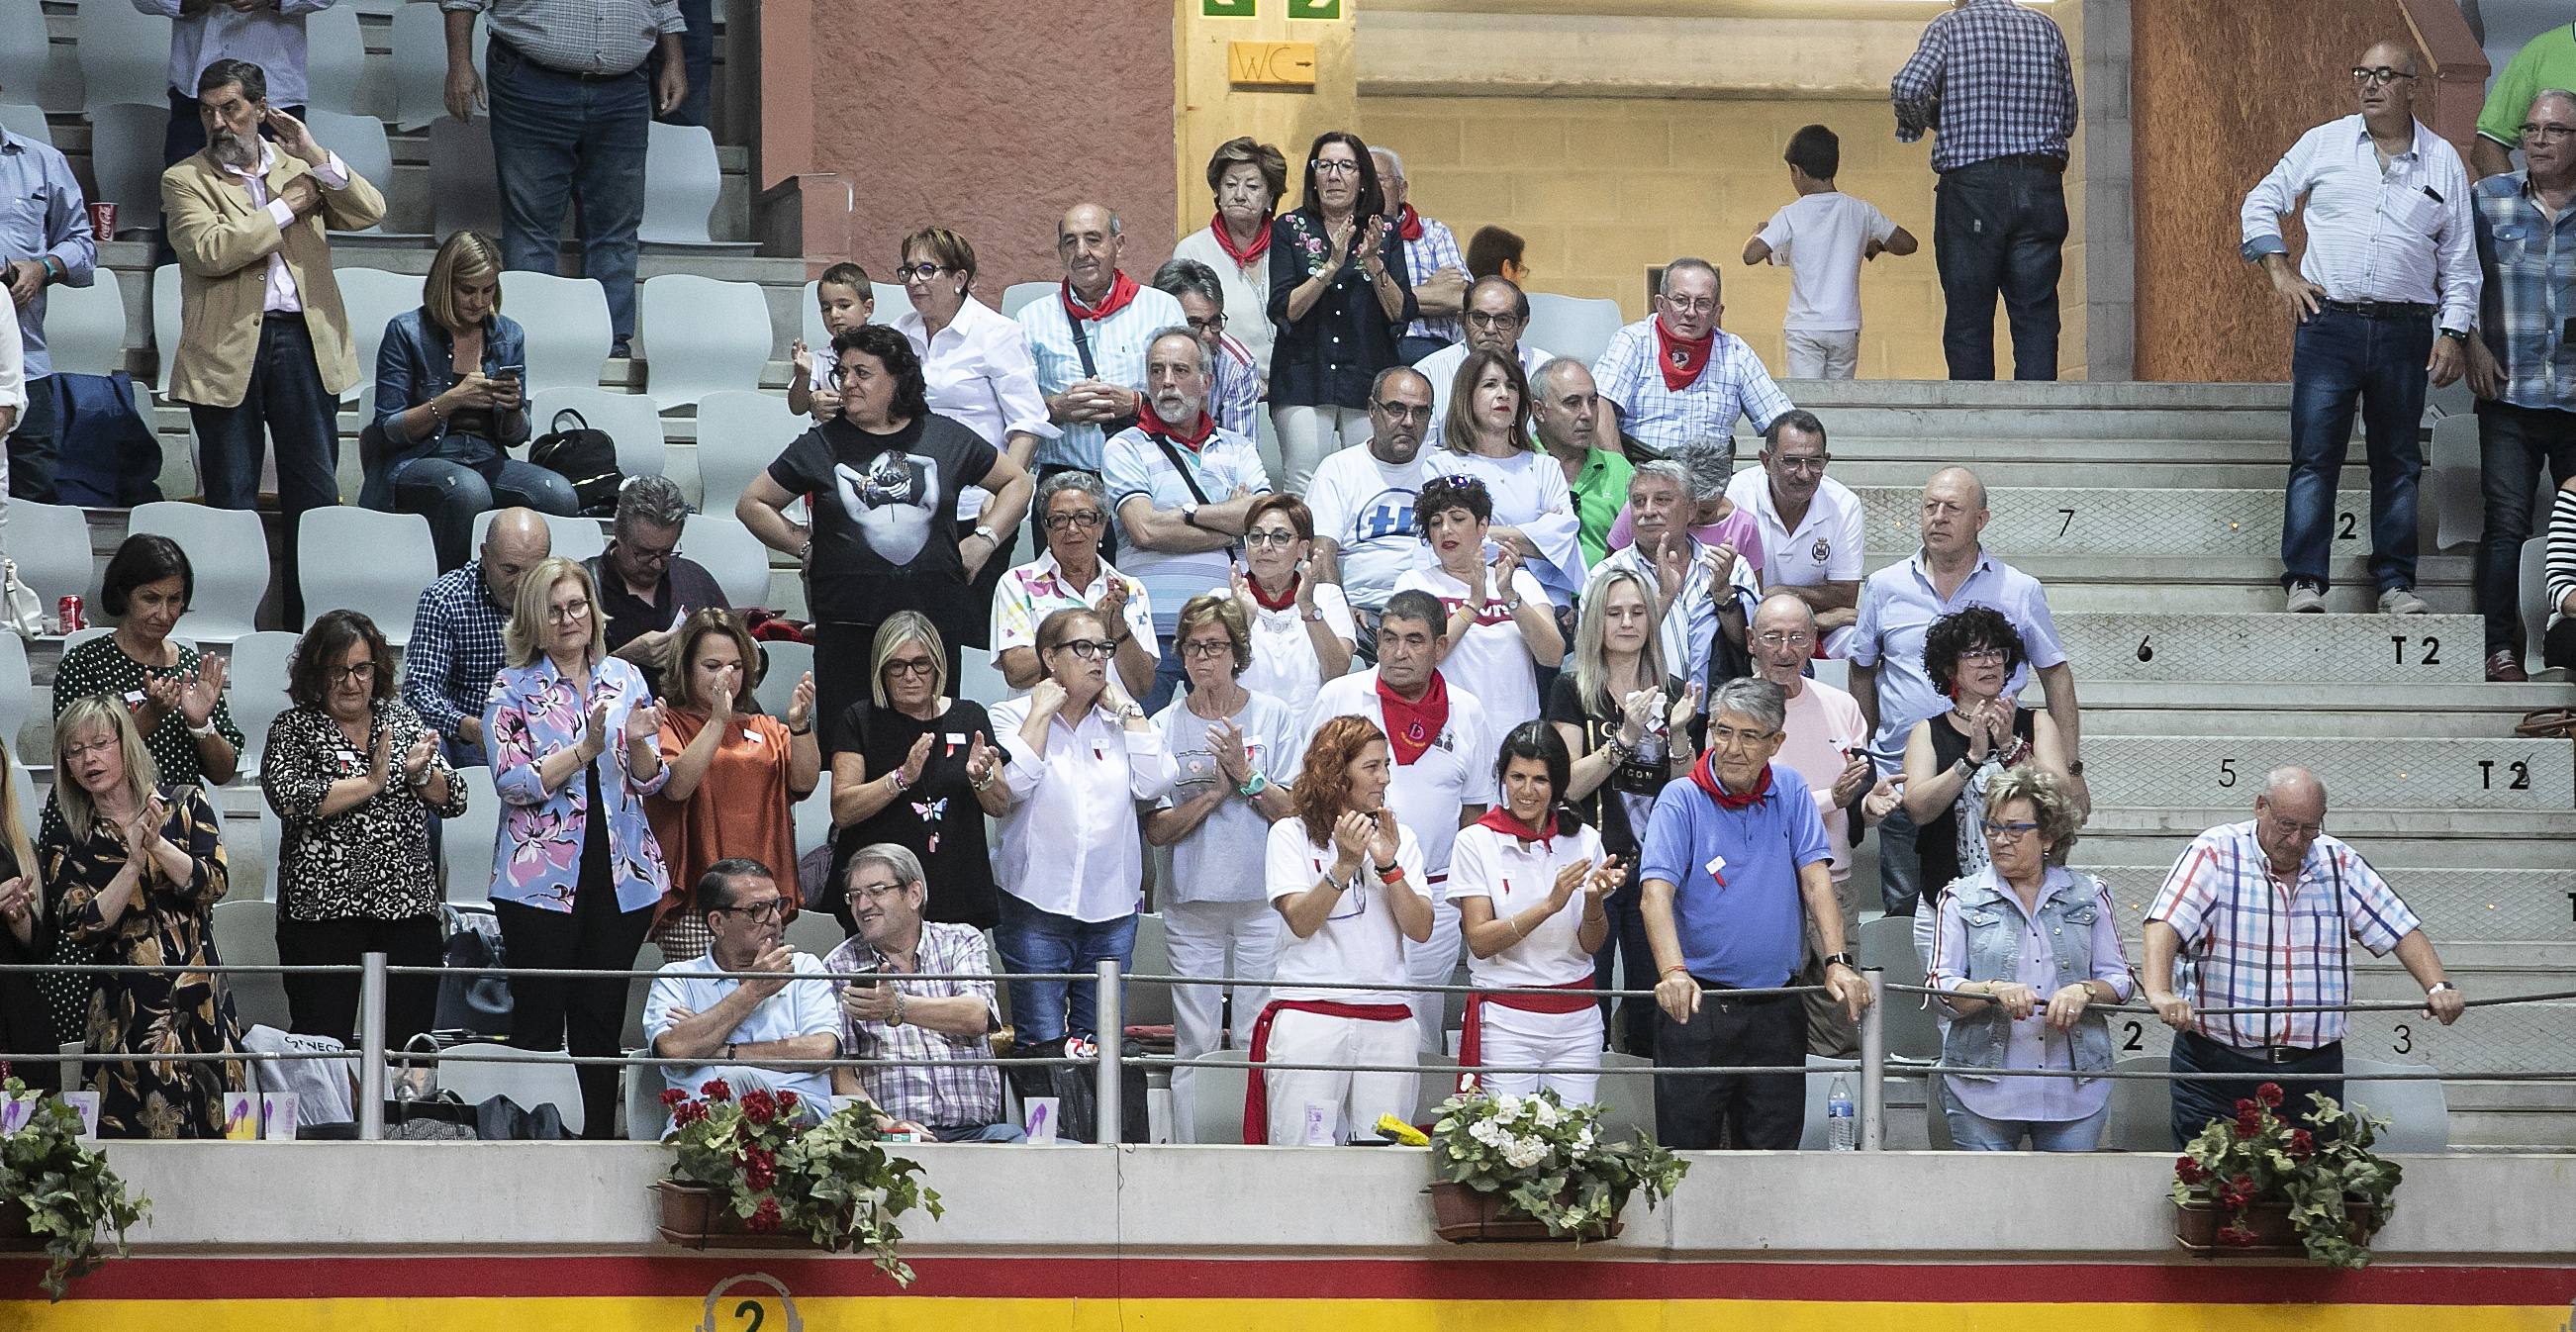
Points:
x=532, y=713
x=2072, y=907
x=415, y=363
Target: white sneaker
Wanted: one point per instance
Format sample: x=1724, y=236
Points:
x=2401, y=601
x=2307, y=598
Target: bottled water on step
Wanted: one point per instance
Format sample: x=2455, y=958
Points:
x=1842, y=1131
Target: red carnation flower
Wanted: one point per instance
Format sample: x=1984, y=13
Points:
x=2237, y=1235
x=2244, y=1105
x=673, y=1096
x=716, y=1089
x=787, y=1100
x=688, y=1112
x=759, y=1106
x=2269, y=1094
x=764, y=1218
x=2189, y=1171
x=2302, y=1142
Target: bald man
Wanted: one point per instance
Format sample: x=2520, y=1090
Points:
x=2268, y=910
x=1089, y=340
x=456, y=638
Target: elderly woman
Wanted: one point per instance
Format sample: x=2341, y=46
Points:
x=1532, y=887
x=1302, y=630
x=1081, y=754
x=354, y=775
x=1234, y=752
x=1713, y=519
x=921, y=771
x=2024, y=949
x=177, y=697
x=1951, y=759
x=1073, y=510
x=451, y=404
x=1501, y=627
x=734, y=772
x=885, y=476
x=576, y=872
x=26, y=1014
x=1248, y=178
x=1340, y=296
x=1488, y=438
x=1346, y=878
x=135, y=867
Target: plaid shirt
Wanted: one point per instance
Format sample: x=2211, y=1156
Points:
x=455, y=649
x=1437, y=249
x=580, y=36
x=1631, y=377
x=1235, y=398
x=935, y=1092
x=2249, y=940
x=1991, y=79
x=2525, y=254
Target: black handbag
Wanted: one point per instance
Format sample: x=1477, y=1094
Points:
x=585, y=457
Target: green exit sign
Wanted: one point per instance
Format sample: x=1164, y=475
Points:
x=1314, y=9
x=1225, y=8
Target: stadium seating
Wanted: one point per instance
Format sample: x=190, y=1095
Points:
x=125, y=152
x=85, y=326
x=349, y=558
x=739, y=434
x=566, y=321
x=51, y=543
x=24, y=119
x=1571, y=325
x=628, y=418
x=229, y=553
x=736, y=559
x=702, y=336
x=255, y=690
x=124, y=57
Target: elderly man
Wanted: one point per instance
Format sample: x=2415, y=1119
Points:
x=939, y=1028
x=1234, y=393
x=264, y=351
x=456, y=637
x=1089, y=342
x=1072, y=510
x=645, y=587
x=2267, y=912
x=2545, y=62
x=1825, y=740
x=1365, y=537
x=1702, y=624
x=1431, y=256
x=1992, y=80
x=738, y=1030
x=1810, y=525
x=1497, y=312
x=1898, y=605
x=1677, y=376
x=1565, y=410
x=46, y=242
x=2392, y=255
x=1734, y=855
x=572, y=110
x=2526, y=406
x=1443, y=774
x=1182, y=487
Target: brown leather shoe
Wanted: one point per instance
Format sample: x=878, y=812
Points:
x=2504, y=666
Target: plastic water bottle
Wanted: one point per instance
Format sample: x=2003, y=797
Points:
x=1842, y=1132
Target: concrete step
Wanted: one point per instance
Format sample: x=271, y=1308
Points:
x=2301, y=649
x=2155, y=523
x=2492, y=774
x=2504, y=1038
x=2518, y=916
x=2392, y=839
x=2055, y=412
x=2461, y=711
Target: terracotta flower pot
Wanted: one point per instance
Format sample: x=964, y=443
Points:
x=1462, y=1215
x=697, y=1217
x=2196, y=1227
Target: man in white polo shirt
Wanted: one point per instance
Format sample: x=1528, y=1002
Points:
x=1444, y=767
x=1811, y=525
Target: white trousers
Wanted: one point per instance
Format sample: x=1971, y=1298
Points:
x=1435, y=962
x=1824, y=355
x=1352, y=1101
x=1238, y=940
x=1567, y=1042
x=1306, y=434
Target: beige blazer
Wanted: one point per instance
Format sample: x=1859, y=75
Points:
x=223, y=242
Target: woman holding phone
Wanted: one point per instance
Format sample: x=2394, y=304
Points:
x=450, y=404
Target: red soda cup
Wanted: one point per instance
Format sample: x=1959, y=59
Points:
x=69, y=609
x=102, y=222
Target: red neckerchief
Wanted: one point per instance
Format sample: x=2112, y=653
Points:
x=1261, y=598
x=1244, y=257
x=1502, y=820
x=1122, y=289
x=1682, y=361
x=1408, y=224
x=1411, y=727
x=1156, y=427
x=1704, y=773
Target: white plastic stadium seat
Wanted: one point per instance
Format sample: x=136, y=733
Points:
x=1571, y=325
x=980, y=677
x=574, y=538
x=361, y=143
x=255, y=681
x=17, y=689
x=24, y=119
x=466, y=842
x=229, y=552
x=701, y=335
x=85, y=326
x=1021, y=293
x=681, y=183
x=372, y=297
x=124, y=57
x=545, y=1081
x=28, y=67
x=51, y=544
x=349, y=558
x=166, y=304
x=419, y=42
x=629, y=418
x=2454, y=475
x=464, y=185
x=259, y=883
x=891, y=302
x=31, y=802
x=566, y=320
x=335, y=60
x=125, y=152
x=245, y=935
x=787, y=663
x=736, y=559
x=2534, y=598
x=740, y=433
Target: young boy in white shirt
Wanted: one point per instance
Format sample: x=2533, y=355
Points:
x=1823, y=238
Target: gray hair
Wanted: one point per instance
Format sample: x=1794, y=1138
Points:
x=1207, y=356
x=1663, y=468
x=1547, y=372
x=1788, y=603
x=2547, y=93
x=1189, y=277
x=1759, y=700
x=2048, y=797
x=1711, y=463
x=1664, y=286
x=1059, y=482
x=897, y=858
x=654, y=501
x=1394, y=159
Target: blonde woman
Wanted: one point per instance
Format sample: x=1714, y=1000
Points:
x=135, y=869
x=26, y=1016
x=734, y=773
x=920, y=769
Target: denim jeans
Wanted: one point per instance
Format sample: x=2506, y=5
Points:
x=1041, y=942
x=2343, y=362
x=2197, y=1103
x=451, y=493
x=2514, y=444
x=1973, y=1132
x=285, y=402
x=1900, y=869
x=555, y=136
x=1999, y=228
x=697, y=59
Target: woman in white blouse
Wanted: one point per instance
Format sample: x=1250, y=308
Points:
x=1500, y=627
x=1247, y=177
x=1532, y=888
x=1302, y=633
x=1081, y=754
x=1487, y=436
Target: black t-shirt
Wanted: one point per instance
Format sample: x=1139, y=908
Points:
x=885, y=518
x=1936, y=843
x=937, y=817
x=1641, y=782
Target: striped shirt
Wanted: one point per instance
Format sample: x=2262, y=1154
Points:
x=1438, y=249
x=2558, y=573
x=1630, y=376
x=1990, y=79
x=2393, y=231
x=455, y=649
x=580, y=36
x=1117, y=356
x=2250, y=940
x=933, y=1090
x=1137, y=467
x=1234, y=399
x=2525, y=253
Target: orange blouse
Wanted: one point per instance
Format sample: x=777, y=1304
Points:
x=741, y=806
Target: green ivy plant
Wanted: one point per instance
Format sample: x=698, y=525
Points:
x=2259, y=1157
x=1551, y=1162
x=780, y=1171
x=70, y=1195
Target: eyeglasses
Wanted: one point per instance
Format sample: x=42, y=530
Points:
x=354, y=672
x=88, y=747
x=921, y=666
x=875, y=892
x=1691, y=305
x=1402, y=411
x=1485, y=319
x=1730, y=737
x=649, y=554
x=921, y=272
x=2377, y=77
x=1334, y=167
x=773, y=909
x=2008, y=832
x=1984, y=656
x=1058, y=522
x=2546, y=133
x=1775, y=638
x=568, y=612
x=1260, y=537
x=1214, y=323
x=1814, y=464
x=1207, y=647
x=1085, y=649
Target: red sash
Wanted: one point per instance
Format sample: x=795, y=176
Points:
x=1256, y=1097
x=1122, y=289
x=1412, y=727
x=1471, y=1042
x=1681, y=361
x=1408, y=224
x=1286, y=599
x=1245, y=257
x=1704, y=775
x=1156, y=427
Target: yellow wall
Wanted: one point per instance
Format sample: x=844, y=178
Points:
x=1212, y=110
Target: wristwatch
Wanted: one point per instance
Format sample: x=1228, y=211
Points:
x=1843, y=960
x=987, y=533
x=2456, y=334
x=1190, y=514
x=1254, y=786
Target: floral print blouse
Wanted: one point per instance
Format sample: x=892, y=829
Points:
x=370, y=861
x=532, y=713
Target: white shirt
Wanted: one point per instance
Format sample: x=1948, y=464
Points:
x=1429, y=793
x=1822, y=240
x=1492, y=659
x=282, y=297
x=1246, y=288
x=1069, y=842
x=801, y=1008
x=1359, y=941
x=1117, y=350
x=1283, y=656
x=1134, y=466
x=1825, y=548
x=272, y=39
x=1220, y=861
x=977, y=372
x=1529, y=493
x=1441, y=368
x=1365, y=508
x=13, y=381
x=2395, y=233
x=1515, y=875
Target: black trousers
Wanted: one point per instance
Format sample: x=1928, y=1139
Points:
x=2197, y=1103
x=328, y=1005
x=1747, y=1112
x=584, y=1016
x=1999, y=229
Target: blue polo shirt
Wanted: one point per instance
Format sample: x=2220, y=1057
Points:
x=1751, y=930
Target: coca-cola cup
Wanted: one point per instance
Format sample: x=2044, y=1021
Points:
x=102, y=222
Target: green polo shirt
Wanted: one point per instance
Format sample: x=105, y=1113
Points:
x=2546, y=61
x=1600, y=491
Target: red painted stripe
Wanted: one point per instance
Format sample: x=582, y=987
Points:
x=691, y=1275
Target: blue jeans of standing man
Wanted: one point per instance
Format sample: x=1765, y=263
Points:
x=1041, y=942
x=2344, y=362
x=2514, y=445
x=286, y=400
x=1999, y=228
x=697, y=60
x=554, y=136
x=2195, y=1103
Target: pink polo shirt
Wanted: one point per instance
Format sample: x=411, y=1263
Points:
x=1823, y=721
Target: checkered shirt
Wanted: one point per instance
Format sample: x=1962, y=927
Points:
x=1991, y=80
x=2525, y=254
x=1733, y=384
x=1235, y=398
x=455, y=649
x=1437, y=249
x=934, y=1092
